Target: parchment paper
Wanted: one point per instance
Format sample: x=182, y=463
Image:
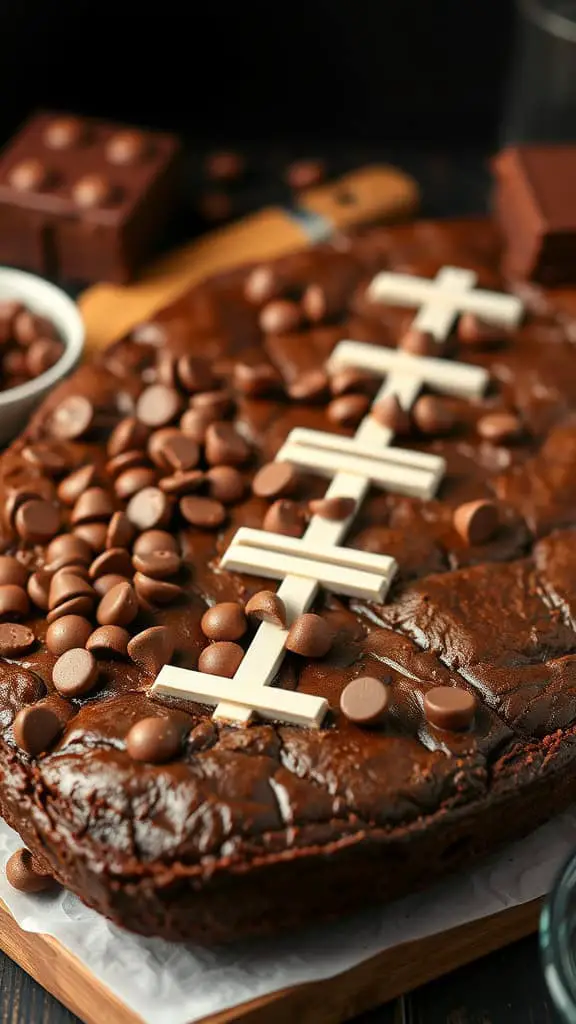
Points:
x=174, y=984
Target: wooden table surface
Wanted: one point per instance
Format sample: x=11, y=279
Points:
x=506, y=987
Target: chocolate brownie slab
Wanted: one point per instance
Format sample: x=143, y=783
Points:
x=192, y=828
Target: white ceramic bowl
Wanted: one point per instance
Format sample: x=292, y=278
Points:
x=38, y=295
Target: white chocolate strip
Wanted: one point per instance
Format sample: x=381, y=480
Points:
x=439, y=374
x=336, y=443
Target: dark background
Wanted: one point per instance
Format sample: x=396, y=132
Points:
x=414, y=71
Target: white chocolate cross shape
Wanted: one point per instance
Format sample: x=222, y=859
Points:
x=318, y=559
x=442, y=300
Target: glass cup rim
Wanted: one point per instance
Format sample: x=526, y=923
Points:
x=550, y=21
x=559, y=971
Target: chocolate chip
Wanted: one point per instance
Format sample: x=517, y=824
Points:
x=158, y=405
x=203, y=512
x=67, y=549
x=108, y=640
x=149, y=509
x=125, y=461
x=15, y=639
x=194, y=423
x=81, y=606
x=115, y=560
x=120, y=532
x=275, y=480
x=28, y=176
x=221, y=659
x=156, y=592
x=202, y=736
x=38, y=588
x=92, y=506
x=134, y=480
x=224, y=621
x=500, y=427
x=154, y=740
x=335, y=509
x=474, y=331
x=280, y=317
x=432, y=415
x=194, y=374
x=64, y=133
x=308, y=386
x=181, y=453
x=28, y=326
x=93, y=533
x=225, y=446
x=35, y=728
x=389, y=413
x=64, y=564
x=15, y=499
x=12, y=571
x=157, y=445
x=365, y=700
x=65, y=585
x=22, y=873
x=449, y=707
x=67, y=632
x=118, y=607
x=42, y=354
x=309, y=635
x=476, y=521
x=348, y=410
x=256, y=380
x=225, y=484
x=225, y=166
x=91, y=191
x=285, y=517
x=305, y=173
x=37, y=521
x=72, y=418
x=73, y=485
x=180, y=484
x=166, y=368
x=266, y=606
x=128, y=435
x=160, y=565
x=46, y=458
x=419, y=343
x=126, y=148
x=152, y=648
x=13, y=601
x=75, y=673
x=105, y=583
x=350, y=379
x=261, y=285
x=216, y=404
x=154, y=540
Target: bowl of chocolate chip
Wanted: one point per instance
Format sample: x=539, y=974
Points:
x=41, y=341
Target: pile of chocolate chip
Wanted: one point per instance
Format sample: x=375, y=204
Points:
x=29, y=344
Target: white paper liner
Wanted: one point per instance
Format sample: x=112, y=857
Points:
x=167, y=983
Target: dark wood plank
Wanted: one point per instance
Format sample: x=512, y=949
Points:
x=23, y=1001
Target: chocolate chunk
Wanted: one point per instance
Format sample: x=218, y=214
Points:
x=92, y=506
x=158, y=405
x=111, y=641
x=266, y=606
x=225, y=446
x=15, y=639
x=433, y=416
x=92, y=190
x=305, y=173
x=134, y=480
x=13, y=601
x=202, y=736
x=45, y=458
x=309, y=386
x=149, y=509
x=125, y=461
x=72, y=418
x=37, y=521
x=157, y=445
x=194, y=375
x=256, y=380
x=275, y=480
x=128, y=435
x=224, y=621
x=75, y=673
x=419, y=343
x=81, y=606
x=35, y=728
x=203, y=512
x=105, y=583
x=154, y=740
x=309, y=635
x=449, y=707
x=180, y=484
x=29, y=176
x=500, y=427
x=181, y=453
x=64, y=133
x=67, y=549
x=216, y=404
x=225, y=484
x=12, y=571
x=474, y=331
x=38, y=588
x=476, y=521
x=280, y=317
x=221, y=659
x=350, y=380
x=120, y=532
x=73, y=485
x=152, y=648
x=126, y=148
x=335, y=509
x=93, y=533
x=156, y=592
x=66, y=633
x=364, y=701
x=154, y=540
x=66, y=585
x=22, y=873
x=225, y=166
x=389, y=413
x=348, y=410
x=262, y=284
x=285, y=517
x=115, y=560
x=118, y=607
x=160, y=565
